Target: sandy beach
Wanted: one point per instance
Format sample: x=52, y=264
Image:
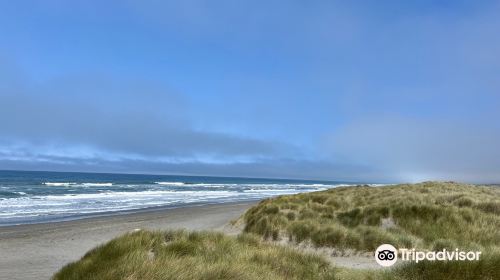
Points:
x=37, y=251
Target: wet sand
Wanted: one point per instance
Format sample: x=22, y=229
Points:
x=37, y=251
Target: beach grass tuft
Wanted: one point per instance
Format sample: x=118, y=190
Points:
x=194, y=255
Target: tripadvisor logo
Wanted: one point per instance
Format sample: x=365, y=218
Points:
x=387, y=255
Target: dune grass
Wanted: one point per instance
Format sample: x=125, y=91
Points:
x=429, y=215
x=207, y=255
x=487, y=268
x=484, y=269
x=193, y=255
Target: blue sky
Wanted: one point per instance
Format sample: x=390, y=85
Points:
x=343, y=90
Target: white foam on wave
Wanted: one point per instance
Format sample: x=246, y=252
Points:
x=59, y=184
x=308, y=185
x=67, y=204
x=205, y=185
x=97, y=184
x=133, y=195
x=253, y=185
x=276, y=190
x=73, y=184
x=170, y=183
x=379, y=185
x=95, y=200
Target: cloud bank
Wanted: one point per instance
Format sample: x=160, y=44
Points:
x=392, y=91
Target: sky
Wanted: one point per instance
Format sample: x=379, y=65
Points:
x=372, y=91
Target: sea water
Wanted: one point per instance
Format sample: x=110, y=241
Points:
x=32, y=197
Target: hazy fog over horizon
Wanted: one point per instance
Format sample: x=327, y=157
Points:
x=332, y=90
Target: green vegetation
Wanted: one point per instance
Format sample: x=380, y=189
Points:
x=487, y=268
x=428, y=216
x=484, y=269
x=425, y=216
x=195, y=255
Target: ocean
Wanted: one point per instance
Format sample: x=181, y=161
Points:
x=34, y=197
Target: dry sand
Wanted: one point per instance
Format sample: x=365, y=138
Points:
x=37, y=251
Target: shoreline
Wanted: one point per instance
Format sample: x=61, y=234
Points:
x=77, y=217
x=38, y=250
